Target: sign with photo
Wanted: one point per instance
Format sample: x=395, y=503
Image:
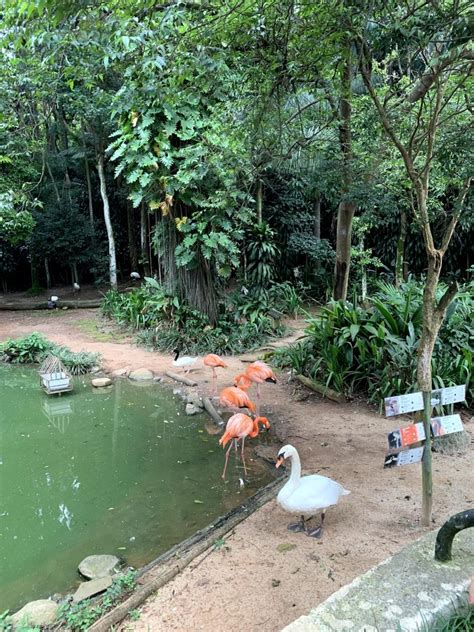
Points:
x=448, y=395
x=414, y=455
x=403, y=404
x=446, y=425
x=406, y=436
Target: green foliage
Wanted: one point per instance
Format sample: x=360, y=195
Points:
x=261, y=252
x=373, y=350
x=16, y=220
x=285, y=298
x=165, y=322
x=80, y=616
x=28, y=350
x=32, y=349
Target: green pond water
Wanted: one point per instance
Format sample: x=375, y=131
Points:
x=120, y=470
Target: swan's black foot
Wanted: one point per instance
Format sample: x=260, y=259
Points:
x=315, y=533
x=296, y=527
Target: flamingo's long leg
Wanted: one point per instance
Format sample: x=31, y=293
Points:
x=214, y=385
x=226, y=459
x=243, y=456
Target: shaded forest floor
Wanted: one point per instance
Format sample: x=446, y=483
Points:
x=265, y=576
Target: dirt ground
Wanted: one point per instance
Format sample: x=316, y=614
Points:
x=265, y=576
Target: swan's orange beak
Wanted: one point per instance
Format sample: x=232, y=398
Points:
x=279, y=461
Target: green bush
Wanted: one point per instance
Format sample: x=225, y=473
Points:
x=373, y=350
x=164, y=322
x=34, y=348
x=80, y=616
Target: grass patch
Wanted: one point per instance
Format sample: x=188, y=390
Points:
x=94, y=330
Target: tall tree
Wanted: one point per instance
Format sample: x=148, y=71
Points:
x=424, y=114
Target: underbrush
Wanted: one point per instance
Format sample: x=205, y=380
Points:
x=164, y=322
x=34, y=348
x=373, y=350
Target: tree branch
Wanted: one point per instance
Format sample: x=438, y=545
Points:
x=429, y=77
x=456, y=214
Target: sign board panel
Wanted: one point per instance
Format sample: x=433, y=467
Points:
x=449, y=395
x=414, y=455
x=406, y=436
x=403, y=404
x=446, y=425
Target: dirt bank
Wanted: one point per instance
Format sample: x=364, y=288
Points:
x=265, y=576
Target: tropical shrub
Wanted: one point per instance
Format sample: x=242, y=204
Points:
x=372, y=350
x=34, y=348
x=164, y=322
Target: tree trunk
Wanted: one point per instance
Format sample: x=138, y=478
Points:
x=34, y=276
x=75, y=276
x=108, y=223
x=400, y=272
x=48, y=276
x=432, y=318
x=346, y=208
x=345, y=215
x=132, y=238
x=144, y=240
x=317, y=218
x=89, y=190
x=259, y=200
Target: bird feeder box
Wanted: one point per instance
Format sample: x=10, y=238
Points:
x=54, y=377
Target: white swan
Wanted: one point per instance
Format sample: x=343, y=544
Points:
x=307, y=494
x=184, y=362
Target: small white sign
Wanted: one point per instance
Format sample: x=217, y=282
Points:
x=446, y=425
x=449, y=395
x=410, y=456
x=403, y=404
x=414, y=455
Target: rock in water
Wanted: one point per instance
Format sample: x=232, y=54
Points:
x=140, y=375
x=191, y=409
x=194, y=399
x=98, y=382
x=95, y=566
x=89, y=589
x=40, y=612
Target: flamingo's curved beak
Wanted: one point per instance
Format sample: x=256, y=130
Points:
x=279, y=461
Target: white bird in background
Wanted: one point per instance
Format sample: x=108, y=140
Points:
x=76, y=287
x=307, y=494
x=184, y=362
x=135, y=275
x=54, y=299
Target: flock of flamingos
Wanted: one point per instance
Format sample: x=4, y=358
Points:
x=303, y=496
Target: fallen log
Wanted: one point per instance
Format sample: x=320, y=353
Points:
x=16, y=307
x=208, y=405
x=323, y=390
x=164, y=568
x=181, y=378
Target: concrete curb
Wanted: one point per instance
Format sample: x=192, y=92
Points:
x=402, y=594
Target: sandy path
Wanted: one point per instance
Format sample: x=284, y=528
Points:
x=253, y=583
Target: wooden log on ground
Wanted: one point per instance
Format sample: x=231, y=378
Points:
x=208, y=405
x=323, y=390
x=445, y=537
x=16, y=307
x=164, y=568
x=181, y=378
